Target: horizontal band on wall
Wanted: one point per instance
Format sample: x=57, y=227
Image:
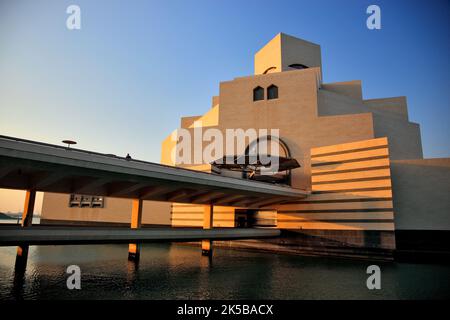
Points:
x=197, y=208
x=199, y=224
x=340, y=201
x=368, y=194
x=352, y=185
x=191, y=219
x=200, y=216
x=350, y=180
x=350, y=146
x=336, y=210
x=185, y=205
x=334, y=206
x=351, y=190
x=324, y=173
x=361, y=165
x=201, y=212
x=314, y=225
x=383, y=146
x=385, y=215
x=362, y=173
x=314, y=165
x=188, y=205
x=354, y=155
x=344, y=220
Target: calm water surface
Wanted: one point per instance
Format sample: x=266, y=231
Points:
x=173, y=271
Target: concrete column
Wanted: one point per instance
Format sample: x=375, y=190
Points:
x=208, y=220
x=134, y=249
x=27, y=216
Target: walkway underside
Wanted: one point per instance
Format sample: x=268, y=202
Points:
x=31, y=165
x=12, y=235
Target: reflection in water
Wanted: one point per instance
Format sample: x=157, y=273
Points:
x=176, y=271
x=132, y=278
x=20, y=267
x=205, y=265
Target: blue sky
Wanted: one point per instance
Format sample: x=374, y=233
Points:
x=120, y=84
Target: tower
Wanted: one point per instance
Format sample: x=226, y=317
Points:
x=284, y=53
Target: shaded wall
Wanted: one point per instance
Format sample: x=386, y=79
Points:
x=55, y=207
x=421, y=193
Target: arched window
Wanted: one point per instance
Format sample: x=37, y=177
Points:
x=258, y=94
x=298, y=66
x=265, y=149
x=272, y=92
x=270, y=142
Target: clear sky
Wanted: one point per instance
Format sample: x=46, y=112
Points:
x=121, y=83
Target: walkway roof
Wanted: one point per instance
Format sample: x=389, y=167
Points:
x=26, y=164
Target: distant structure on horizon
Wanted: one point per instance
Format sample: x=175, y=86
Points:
x=371, y=190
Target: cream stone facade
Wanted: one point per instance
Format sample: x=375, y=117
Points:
x=360, y=159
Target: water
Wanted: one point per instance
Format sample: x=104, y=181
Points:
x=174, y=271
x=17, y=220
